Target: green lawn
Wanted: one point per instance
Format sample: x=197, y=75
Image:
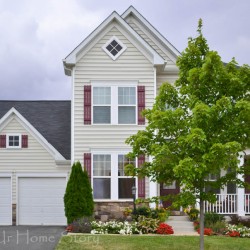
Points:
x=143, y=242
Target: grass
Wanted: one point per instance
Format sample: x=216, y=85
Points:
x=143, y=242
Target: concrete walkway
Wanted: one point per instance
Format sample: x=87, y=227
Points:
x=181, y=225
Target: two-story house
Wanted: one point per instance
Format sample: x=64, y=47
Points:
x=115, y=74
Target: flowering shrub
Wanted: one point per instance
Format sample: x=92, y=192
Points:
x=127, y=211
x=114, y=227
x=143, y=226
x=234, y=234
x=237, y=231
x=147, y=225
x=164, y=228
x=207, y=231
x=193, y=213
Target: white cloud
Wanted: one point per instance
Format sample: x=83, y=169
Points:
x=36, y=35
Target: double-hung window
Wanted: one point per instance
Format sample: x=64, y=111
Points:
x=125, y=183
x=102, y=176
x=126, y=105
x=102, y=105
x=114, y=105
x=109, y=179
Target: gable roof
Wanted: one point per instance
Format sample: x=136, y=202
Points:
x=151, y=54
x=52, y=119
x=152, y=30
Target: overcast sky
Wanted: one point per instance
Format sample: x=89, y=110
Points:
x=37, y=34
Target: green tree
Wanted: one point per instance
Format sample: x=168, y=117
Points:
x=78, y=198
x=197, y=127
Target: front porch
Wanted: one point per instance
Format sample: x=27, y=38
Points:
x=230, y=204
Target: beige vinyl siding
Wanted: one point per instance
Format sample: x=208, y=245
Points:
x=34, y=159
x=165, y=78
x=150, y=40
x=132, y=65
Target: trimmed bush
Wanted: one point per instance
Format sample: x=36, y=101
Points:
x=141, y=211
x=78, y=198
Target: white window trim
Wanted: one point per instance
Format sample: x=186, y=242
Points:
x=7, y=141
x=124, y=47
x=114, y=194
x=114, y=102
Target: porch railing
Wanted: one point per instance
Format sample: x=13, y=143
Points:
x=247, y=203
x=225, y=204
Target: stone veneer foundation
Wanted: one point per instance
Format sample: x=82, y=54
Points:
x=110, y=210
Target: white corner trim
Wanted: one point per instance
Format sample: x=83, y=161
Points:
x=33, y=131
x=72, y=117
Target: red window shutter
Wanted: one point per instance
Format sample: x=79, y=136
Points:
x=141, y=181
x=2, y=141
x=87, y=163
x=87, y=104
x=141, y=104
x=24, y=141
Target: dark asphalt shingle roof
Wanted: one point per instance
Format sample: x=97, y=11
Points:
x=51, y=118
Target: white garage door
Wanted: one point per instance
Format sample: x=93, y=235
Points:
x=5, y=201
x=40, y=201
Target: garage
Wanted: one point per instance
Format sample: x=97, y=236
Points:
x=5, y=201
x=40, y=201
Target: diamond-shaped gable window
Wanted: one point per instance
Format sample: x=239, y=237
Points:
x=114, y=48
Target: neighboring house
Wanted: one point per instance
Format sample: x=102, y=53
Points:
x=34, y=161
x=116, y=72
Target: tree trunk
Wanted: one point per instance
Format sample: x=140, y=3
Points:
x=201, y=224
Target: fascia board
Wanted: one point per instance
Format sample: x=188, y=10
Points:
x=132, y=10
x=161, y=45
x=72, y=57
x=88, y=46
x=157, y=59
x=32, y=130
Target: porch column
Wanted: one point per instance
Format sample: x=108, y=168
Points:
x=241, y=191
x=153, y=189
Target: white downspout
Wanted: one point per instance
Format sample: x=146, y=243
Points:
x=73, y=117
x=153, y=186
x=72, y=111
